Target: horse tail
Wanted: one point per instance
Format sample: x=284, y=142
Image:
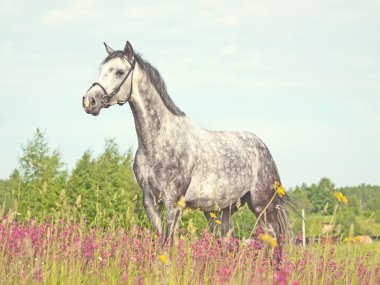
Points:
x=269, y=194
x=282, y=205
x=270, y=202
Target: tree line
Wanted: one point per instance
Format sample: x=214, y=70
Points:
x=318, y=198
x=98, y=189
x=363, y=201
x=102, y=190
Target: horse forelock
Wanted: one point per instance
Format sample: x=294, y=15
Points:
x=118, y=53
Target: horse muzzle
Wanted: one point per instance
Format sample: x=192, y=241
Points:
x=91, y=104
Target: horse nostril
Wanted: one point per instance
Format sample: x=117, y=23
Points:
x=92, y=101
x=88, y=101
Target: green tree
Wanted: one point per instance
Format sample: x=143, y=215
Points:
x=321, y=196
x=300, y=196
x=349, y=225
x=82, y=187
x=363, y=198
x=104, y=188
x=5, y=196
x=42, y=178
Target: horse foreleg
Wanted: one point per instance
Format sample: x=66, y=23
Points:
x=228, y=212
x=154, y=212
x=172, y=223
x=226, y=221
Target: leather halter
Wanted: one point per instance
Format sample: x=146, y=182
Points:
x=107, y=97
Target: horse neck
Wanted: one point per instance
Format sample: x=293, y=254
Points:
x=149, y=111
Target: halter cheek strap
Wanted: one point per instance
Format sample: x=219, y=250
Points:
x=106, y=99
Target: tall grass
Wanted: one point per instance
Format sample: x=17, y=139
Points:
x=61, y=251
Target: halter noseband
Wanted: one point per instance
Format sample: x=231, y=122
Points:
x=106, y=99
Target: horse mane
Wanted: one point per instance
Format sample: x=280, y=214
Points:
x=154, y=77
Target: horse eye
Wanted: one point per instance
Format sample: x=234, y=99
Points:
x=120, y=72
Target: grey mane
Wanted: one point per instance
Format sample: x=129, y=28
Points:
x=154, y=77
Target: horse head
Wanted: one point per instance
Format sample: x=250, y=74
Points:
x=114, y=85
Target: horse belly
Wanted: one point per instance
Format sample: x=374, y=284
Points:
x=217, y=190
x=224, y=172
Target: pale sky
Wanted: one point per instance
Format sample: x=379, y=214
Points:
x=302, y=75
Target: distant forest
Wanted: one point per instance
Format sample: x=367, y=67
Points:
x=318, y=198
x=102, y=190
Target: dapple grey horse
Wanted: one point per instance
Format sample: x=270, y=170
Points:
x=210, y=170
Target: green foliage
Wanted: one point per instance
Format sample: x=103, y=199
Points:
x=5, y=196
x=243, y=221
x=316, y=198
x=376, y=215
x=193, y=220
x=349, y=225
x=104, y=188
x=42, y=178
x=321, y=196
x=299, y=195
x=100, y=190
x=103, y=191
x=367, y=197
x=363, y=201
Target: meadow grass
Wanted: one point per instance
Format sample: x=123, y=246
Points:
x=64, y=252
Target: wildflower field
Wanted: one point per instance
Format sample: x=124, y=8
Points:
x=65, y=252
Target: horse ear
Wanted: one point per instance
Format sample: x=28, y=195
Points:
x=128, y=50
x=108, y=49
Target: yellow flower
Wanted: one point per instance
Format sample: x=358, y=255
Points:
x=218, y=222
x=212, y=215
x=163, y=258
x=188, y=211
x=279, y=189
x=181, y=204
x=359, y=239
x=268, y=239
x=348, y=239
x=341, y=198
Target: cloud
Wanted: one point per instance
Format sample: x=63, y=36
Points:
x=76, y=10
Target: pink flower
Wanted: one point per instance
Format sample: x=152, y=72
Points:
x=223, y=275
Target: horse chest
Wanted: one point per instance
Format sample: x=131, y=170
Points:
x=163, y=171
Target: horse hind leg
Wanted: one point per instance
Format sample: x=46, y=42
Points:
x=269, y=225
x=223, y=218
x=226, y=216
x=273, y=220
